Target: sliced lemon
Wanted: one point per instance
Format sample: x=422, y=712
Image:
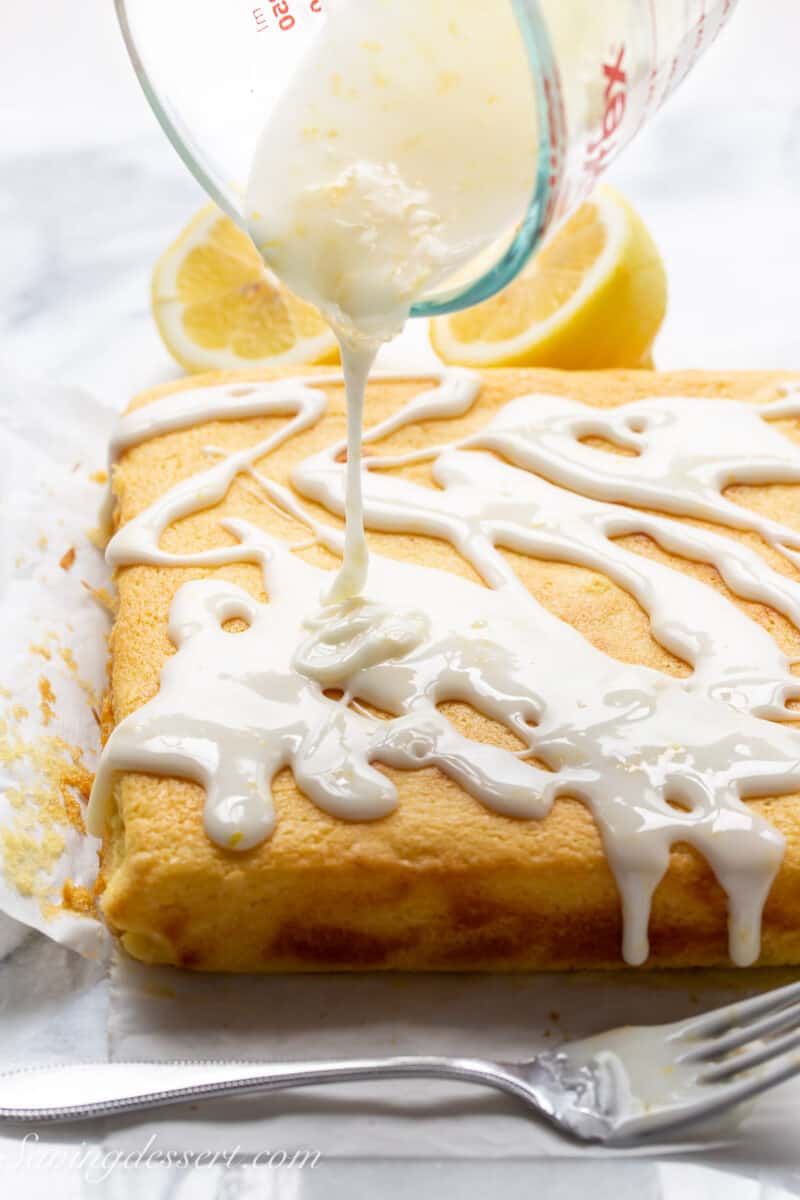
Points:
x=593, y=296
x=218, y=307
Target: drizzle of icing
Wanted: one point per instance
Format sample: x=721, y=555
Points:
x=357, y=362
x=629, y=741
x=685, y=455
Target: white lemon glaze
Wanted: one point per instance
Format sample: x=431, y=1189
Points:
x=629, y=741
x=392, y=162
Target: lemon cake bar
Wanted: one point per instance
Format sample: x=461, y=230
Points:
x=557, y=730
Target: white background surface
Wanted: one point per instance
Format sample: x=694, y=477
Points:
x=91, y=193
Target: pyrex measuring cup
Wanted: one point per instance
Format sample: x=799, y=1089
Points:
x=213, y=69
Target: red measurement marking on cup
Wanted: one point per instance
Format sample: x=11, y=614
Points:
x=281, y=13
x=615, y=97
x=556, y=132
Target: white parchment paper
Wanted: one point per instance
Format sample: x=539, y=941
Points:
x=53, y=650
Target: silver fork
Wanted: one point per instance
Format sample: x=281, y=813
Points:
x=617, y=1087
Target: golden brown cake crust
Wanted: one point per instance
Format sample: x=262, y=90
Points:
x=442, y=883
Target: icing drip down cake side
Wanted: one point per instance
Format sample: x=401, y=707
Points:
x=559, y=729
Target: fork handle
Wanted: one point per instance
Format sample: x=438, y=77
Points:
x=78, y=1092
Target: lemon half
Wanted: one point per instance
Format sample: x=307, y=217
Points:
x=218, y=307
x=593, y=296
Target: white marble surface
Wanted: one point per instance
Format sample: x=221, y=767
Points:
x=91, y=193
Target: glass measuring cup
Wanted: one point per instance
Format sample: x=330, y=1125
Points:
x=213, y=70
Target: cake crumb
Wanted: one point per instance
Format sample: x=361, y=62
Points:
x=27, y=856
x=48, y=699
x=53, y=785
x=19, y=712
x=101, y=595
x=69, y=659
x=67, y=559
x=40, y=649
x=99, y=476
x=41, y=542
x=71, y=664
x=77, y=899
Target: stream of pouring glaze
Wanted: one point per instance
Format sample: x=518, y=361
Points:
x=392, y=162
x=658, y=760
